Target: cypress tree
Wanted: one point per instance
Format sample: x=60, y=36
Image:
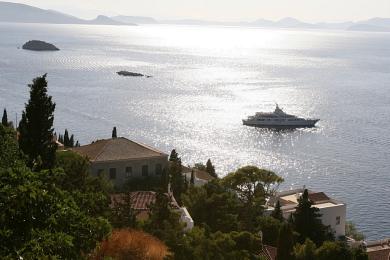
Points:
x=71, y=141
x=277, y=212
x=36, y=126
x=66, y=138
x=210, y=169
x=307, y=221
x=4, y=120
x=285, y=243
x=192, y=180
x=77, y=144
x=114, y=135
x=174, y=156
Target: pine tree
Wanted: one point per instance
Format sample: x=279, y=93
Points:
x=285, y=243
x=77, y=144
x=4, y=120
x=66, y=138
x=277, y=212
x=192, y=180
x=210, y=169
x=114, y=135
x=36, y=126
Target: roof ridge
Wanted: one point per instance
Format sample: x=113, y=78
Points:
x=144, y=145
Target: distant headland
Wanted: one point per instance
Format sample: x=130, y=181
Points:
x=36, y=45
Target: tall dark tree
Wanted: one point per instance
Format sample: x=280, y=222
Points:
x=36, y=127
x=285, y=243
x=71, y=141
x=307, y=221
x=174, y=156
x=4, y=119
x=66, y=138
x=277, y=212
x=114, y=134
x=192, y=180
x=211, y=169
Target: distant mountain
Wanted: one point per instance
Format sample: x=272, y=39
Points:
x=368, y=28
x=104, y=20
x=21, y=13
x=134, y=19
x=377, y=21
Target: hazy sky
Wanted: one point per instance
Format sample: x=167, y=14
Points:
x=224, y=10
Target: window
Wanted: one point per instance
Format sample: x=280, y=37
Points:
x=158, y=169
x=112, y=173
x=338, y=220
x=100, y=172
x=129, y=172
x=145, y=170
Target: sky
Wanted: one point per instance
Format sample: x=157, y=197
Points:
x=223, y=10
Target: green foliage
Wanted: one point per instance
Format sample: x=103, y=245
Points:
x=270, y=227
x=307, y=222
x=252, y=185
x=4, y=119
x=176, y=177
x=9, y=150
x=351, y=231
x=36, y=127
x=211, y=169
x=192, y=179
x=334, y=251
x=164, y=223
x=277, y=212
x=200, y=166
x=38, y=219
x=122, y=214
x=213, y=205
x=285, y=243
x=306, y=251
x=200, y=244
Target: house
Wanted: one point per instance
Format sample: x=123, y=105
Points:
x=378, y=250
x=141, y=201
x=200, y=177
x=268, y=252
x=333, y=212
x=121, y=159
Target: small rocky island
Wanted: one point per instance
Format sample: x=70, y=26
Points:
x=131, y=74
x=35, y=45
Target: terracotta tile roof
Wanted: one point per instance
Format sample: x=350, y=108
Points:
x=117, y=149
x=202, y=175
x=268, y=252
x=141, y=200
x=318, y=197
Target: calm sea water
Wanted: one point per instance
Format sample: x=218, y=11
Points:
x=205, y=80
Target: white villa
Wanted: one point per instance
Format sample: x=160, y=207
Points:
x=333, y=211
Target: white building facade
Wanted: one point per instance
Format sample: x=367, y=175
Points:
x=333, y=212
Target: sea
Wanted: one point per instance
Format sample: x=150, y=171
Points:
x=205, y=80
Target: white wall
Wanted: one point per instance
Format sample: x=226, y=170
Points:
x=329, y=216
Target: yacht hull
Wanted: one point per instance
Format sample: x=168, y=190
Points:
x=281, y=125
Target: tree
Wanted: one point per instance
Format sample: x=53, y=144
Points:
x=253, y=186
x=210, y=169
x=192, y=179
x=4, y=120
x=71, y=141
x=285, y=243
x=305, y=251
x=214, y=206
x=176, y=179
x=9, y=149
x=66, y=138
x=114, y=135
x=270, y=227
x=36, y=127
x=174, y=156
x=351, y=231
x=307, y=222
x=39, y=220
x=334, y=251
x=122, y=213
x=277, y=212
